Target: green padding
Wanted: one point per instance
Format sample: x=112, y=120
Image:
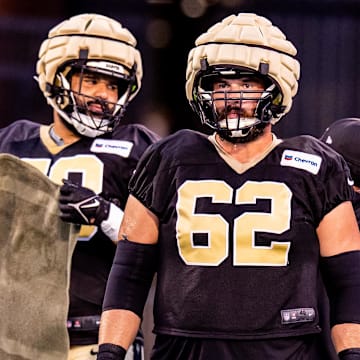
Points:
x=35, y=252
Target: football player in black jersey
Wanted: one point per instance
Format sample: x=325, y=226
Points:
x=343, y=136
x=88, y=70
x=238, y=225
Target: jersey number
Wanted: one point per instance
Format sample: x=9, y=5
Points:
x=216, y=228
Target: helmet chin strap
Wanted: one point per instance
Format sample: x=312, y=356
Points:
x=252, y=133
x=83, y=125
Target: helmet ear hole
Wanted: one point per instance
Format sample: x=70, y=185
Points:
x=123, y=87
x=50, y=89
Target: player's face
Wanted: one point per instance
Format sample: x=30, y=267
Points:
x=94, y=93
x=236, y=97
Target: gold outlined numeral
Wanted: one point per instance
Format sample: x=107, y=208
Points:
x=216, y=228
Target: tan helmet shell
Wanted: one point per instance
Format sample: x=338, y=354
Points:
x=247, y=40
x=104, y=39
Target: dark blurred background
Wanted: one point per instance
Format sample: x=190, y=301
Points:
x=325, y=32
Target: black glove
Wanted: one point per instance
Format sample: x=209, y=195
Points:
x=80, y=205
x=350, y=354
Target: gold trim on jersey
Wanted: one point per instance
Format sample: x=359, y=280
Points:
x=49, y=143
x=237, y=166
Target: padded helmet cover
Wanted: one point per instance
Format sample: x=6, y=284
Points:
x=248, y=41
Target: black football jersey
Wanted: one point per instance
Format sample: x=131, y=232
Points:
x=238, y=248
x=104, y=164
